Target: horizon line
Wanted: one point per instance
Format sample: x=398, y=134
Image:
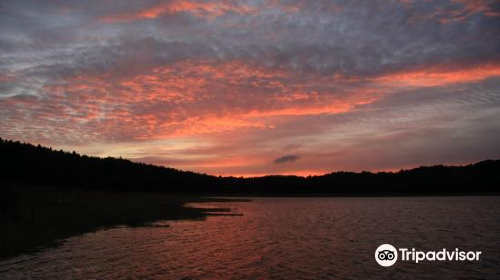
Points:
x=249, y=176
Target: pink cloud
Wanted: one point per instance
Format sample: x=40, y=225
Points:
x=201, y=9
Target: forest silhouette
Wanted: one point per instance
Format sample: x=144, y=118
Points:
x=48, y=195
x=27, y=164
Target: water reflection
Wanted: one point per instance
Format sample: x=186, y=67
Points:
x=284, y=238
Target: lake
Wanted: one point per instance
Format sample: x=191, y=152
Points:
x=284, y=238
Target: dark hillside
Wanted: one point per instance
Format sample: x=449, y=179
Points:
x=23, y=163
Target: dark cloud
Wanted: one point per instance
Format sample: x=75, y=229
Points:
x=287, y=158
x=356, y=38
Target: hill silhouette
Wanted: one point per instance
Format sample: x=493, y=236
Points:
x=27, y=164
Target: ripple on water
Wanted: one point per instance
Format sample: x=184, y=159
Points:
x=283, y=238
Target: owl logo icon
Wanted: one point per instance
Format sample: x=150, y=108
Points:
x=386, y=255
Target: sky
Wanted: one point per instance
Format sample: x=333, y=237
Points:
x=255, y=87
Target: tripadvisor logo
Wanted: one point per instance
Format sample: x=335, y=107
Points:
x=387, y=255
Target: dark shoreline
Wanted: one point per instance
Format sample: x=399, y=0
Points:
x=396, y=194
x=33, y=218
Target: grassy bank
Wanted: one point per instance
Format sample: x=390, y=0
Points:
x=35, y=217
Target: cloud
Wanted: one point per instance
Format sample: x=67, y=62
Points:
x=204, y=9
x=287, y=158
x=275, y=77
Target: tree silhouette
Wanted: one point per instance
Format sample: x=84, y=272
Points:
x=24, y=163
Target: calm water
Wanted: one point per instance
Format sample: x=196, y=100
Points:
x=284, y=238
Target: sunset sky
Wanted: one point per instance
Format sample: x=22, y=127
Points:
x=254, y=87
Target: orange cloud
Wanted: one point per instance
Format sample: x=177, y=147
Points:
x=198, y=97
x=434, y=76
x=206, y=10
x=191, y=98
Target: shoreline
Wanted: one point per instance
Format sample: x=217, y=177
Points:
x=244, y=196
x=33, y=218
